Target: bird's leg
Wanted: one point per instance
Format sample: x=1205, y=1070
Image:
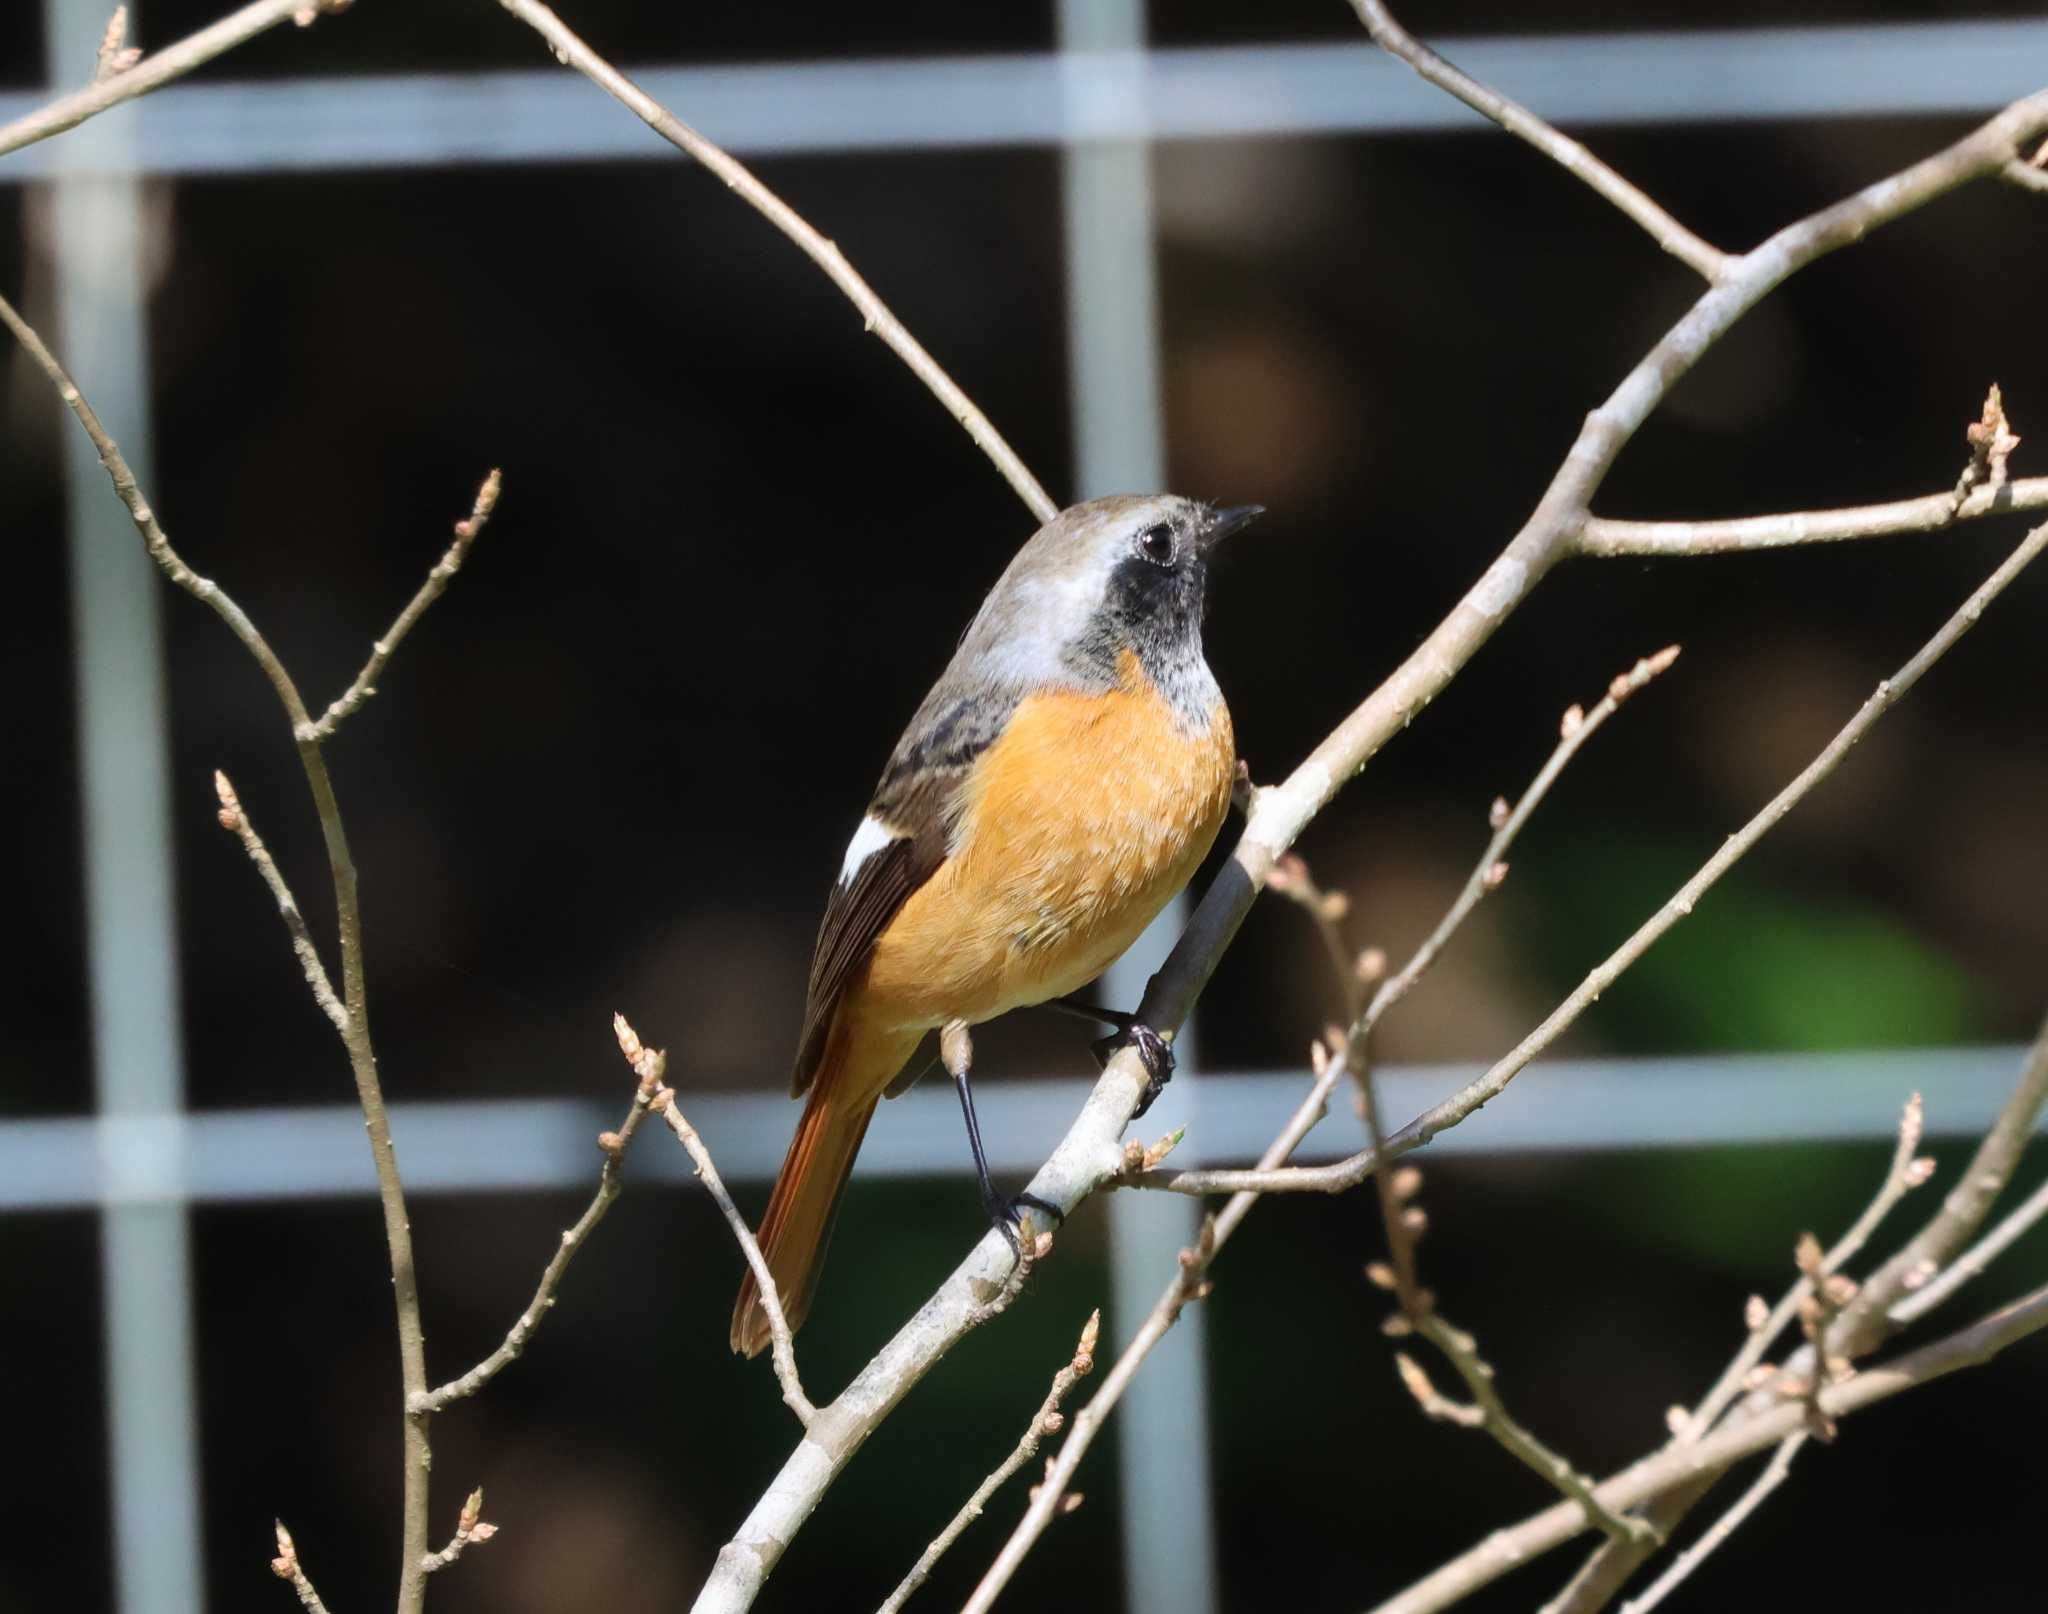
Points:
x=1131, y=1032
x=956, y=1049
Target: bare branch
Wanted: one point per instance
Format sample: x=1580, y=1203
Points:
x=1348, y=1173
x=365, y=684
x=1722, y=1528
x=1866, y=1320
x=1982, y=490
x=651, y=1065
x=362, y=1056
x=1051, y=1497
x=1930, y=513
x=286, y=1566
x=609, y=1186
x=1708, y=262
x=1576, y=728
x=1046, y=1421
x=571, y=51
x=153, y=72
x=470, y=1529
x=1509, y=1549
x=153, y=537
x=235, y=820
x=1973, y=1261
x=1190, y=1282
x=1403, y=1218
x=1488, y=1412
x=1908, y=1171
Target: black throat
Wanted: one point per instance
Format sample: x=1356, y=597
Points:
x=1156, y=613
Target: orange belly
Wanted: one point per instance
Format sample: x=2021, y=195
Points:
x=1081, y=822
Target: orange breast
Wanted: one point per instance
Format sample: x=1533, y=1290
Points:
x=1082, y=820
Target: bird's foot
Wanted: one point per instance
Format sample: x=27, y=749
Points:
x=1007, y=1214
x=1153, y=1049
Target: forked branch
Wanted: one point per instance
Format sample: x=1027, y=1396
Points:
x=365, y=683
x=609, y=1186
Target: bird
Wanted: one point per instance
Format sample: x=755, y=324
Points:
x=1058, y=786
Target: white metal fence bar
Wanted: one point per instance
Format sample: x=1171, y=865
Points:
x=97, y=255
x=536, y=1145
x=1868, y=70
x=1168, y=1535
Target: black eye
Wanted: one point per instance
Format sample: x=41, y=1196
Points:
x=1157, y=542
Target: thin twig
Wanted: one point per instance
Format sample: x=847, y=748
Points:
x=1488, y=1412
x=1984, y=488
x=1190, y=1282
x=1866, y=1320
x=233, y=818
x=153, y=72
x=286, y=1566
x=1046, y=1421
x=1709, y=262
x=1972, y=1261
x=609, y=1186
x=1050, y=1498
x=365, y=684
x=471, y=1529
x=1722, y=1528
x=1908, y=1170
x=1929, y=513
x=1575, y=729
x=571, y=51
x=1403, y=1219
x=1671, y=1467
x=362, y=1056
x=1348, y=1173
x=153, y=538
x=651, y=1065
x=1290, y=878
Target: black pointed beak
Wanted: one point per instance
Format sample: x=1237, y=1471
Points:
x=1222, y=523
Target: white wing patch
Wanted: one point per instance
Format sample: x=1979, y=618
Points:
x=869, y=839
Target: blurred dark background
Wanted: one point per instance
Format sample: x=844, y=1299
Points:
x=617, y=765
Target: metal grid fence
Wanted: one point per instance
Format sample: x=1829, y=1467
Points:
x=1102, y=97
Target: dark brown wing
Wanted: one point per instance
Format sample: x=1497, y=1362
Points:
x=856, y=914
x=918, y=797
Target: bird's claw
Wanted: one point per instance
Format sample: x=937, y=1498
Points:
x=1153, y=1049
x=1007, y=1215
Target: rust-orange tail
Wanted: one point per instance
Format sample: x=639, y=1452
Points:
x=798, y=1224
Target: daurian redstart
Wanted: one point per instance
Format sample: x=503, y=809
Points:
x=1059, y=784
